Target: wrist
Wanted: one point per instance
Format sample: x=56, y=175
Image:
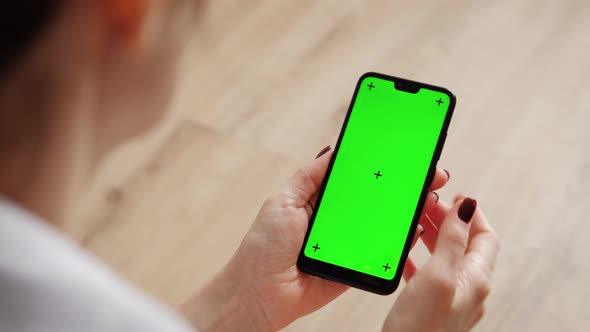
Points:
x=223, y=305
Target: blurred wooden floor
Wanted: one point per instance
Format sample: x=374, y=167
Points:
x=265, y=86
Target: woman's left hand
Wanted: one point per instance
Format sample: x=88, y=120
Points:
x=261, y=287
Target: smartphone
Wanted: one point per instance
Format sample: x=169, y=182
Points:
x=372, y=195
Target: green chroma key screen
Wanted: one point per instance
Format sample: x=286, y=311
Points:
x=366, y=210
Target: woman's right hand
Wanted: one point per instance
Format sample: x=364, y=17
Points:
x=448, y=292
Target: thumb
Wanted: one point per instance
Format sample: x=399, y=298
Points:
x=453, y=235
x=306, y=182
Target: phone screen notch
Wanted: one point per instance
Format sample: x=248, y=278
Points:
x=407, y=86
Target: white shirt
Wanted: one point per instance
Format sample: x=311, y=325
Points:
x=49, y=284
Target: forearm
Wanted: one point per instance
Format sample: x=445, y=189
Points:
x=222, y=306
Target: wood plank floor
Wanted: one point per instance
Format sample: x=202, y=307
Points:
x=265, y=85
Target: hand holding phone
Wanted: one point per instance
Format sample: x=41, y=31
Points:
x=261, y=288
x=374, y=190
x=261, y=283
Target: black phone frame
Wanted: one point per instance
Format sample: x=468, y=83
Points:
x=351, y=277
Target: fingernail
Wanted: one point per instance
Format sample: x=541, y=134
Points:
x=467, y=209
x=448, y=174
x=324, y=150
x=423, y=229
x=437, y=197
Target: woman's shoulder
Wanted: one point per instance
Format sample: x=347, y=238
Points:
x=49, y=283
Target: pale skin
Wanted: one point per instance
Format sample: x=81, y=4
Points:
x=450, y=289
x=265, y=278
x=260, y=288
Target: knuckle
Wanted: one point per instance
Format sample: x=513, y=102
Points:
x=496, y=242
x=304, y=178
x=300, y=174
x=275, y=201
x=482, y=292
x=479, y=314
x=493, y=239
x=270, y=201
x=442, y=282
x=482, y=289
x=456, y=239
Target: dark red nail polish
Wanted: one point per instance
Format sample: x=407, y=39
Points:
x=437, y=197
x=467, y=209
x=448, y=174
x=324, y=150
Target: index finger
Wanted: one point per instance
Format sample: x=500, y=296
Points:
x=306, y=182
